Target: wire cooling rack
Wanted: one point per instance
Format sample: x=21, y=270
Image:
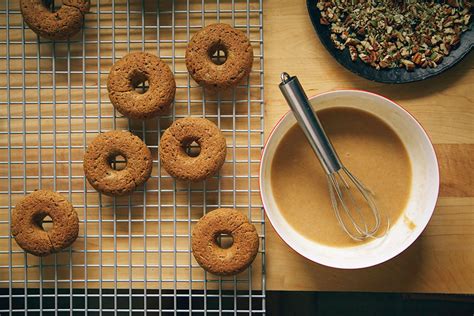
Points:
x=133, y=253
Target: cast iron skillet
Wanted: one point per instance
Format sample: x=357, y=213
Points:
x=395, y=75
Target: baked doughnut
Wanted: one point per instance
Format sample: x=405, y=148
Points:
x=216, y=260
x=181, y=134
x=132, y=70
x=100, y=153
x=58, y=25
x=27, y=221
x=219, y=37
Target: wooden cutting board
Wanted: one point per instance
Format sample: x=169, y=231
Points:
x=442, y=259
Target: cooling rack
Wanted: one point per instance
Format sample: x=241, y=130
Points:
x=133, y=253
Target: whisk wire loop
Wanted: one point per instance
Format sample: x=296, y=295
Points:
x=346, y=195
x=353, y=222
x=337, y=199
x=368, y=197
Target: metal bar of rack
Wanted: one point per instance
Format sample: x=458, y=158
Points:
x=133, y=253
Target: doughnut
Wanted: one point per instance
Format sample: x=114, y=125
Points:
x=27, y=218
x=182, y=133
x=133, y=69
x=216, y=260
x=219, y=37
x=59, y=25
x=101, y=152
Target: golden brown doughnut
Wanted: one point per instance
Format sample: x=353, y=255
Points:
x=238, y=51
x=136, y=68
x=106, y=146
x=182, y=133
x=216, y=260
x=27, y=221
x=58, y=25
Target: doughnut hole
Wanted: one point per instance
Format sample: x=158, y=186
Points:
x=51, y=5
x=218, y=53
x=117, y=161
x=224, y=240
x=43, y=221
x=191, y=147
x=140, y=82
x=47, y=223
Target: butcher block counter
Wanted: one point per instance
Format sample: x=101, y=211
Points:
x=442, y=259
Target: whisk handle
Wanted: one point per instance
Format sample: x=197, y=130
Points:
x=309, y=123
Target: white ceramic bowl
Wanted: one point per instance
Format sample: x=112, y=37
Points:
x=421, y=203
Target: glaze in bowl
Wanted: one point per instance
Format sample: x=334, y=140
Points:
x=421, y=201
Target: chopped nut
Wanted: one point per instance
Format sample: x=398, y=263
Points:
x=373, y=42
x=436, y=58
x=323, y=21
x=449, y=31
x=466, y=19
x=388, y=59
x=402, y=33
x=417, y=59
x=384, y=64
x=392, y=48
x=436, y=39
x=348, y=20
x=366, y=59
x=410, y=66
x=455, y=41
x=373, y=56
x=453, y=3
x=444, y=49
x=448, y=22
x=400, y=37
x=352, y=41
x=353, y=53
x=404, y=52
x=367, y=45
x=427, y=40
x=337, y=29
x=336, y=42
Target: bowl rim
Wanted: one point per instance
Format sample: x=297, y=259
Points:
x=384, y=258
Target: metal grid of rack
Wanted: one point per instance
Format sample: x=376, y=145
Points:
x=133, y=253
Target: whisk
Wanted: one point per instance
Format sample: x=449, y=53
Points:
x=343, y=185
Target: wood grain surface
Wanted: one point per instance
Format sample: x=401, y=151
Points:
x=442, y=259
x=54, y=101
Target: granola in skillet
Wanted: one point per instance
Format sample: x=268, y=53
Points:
x=393, y=33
